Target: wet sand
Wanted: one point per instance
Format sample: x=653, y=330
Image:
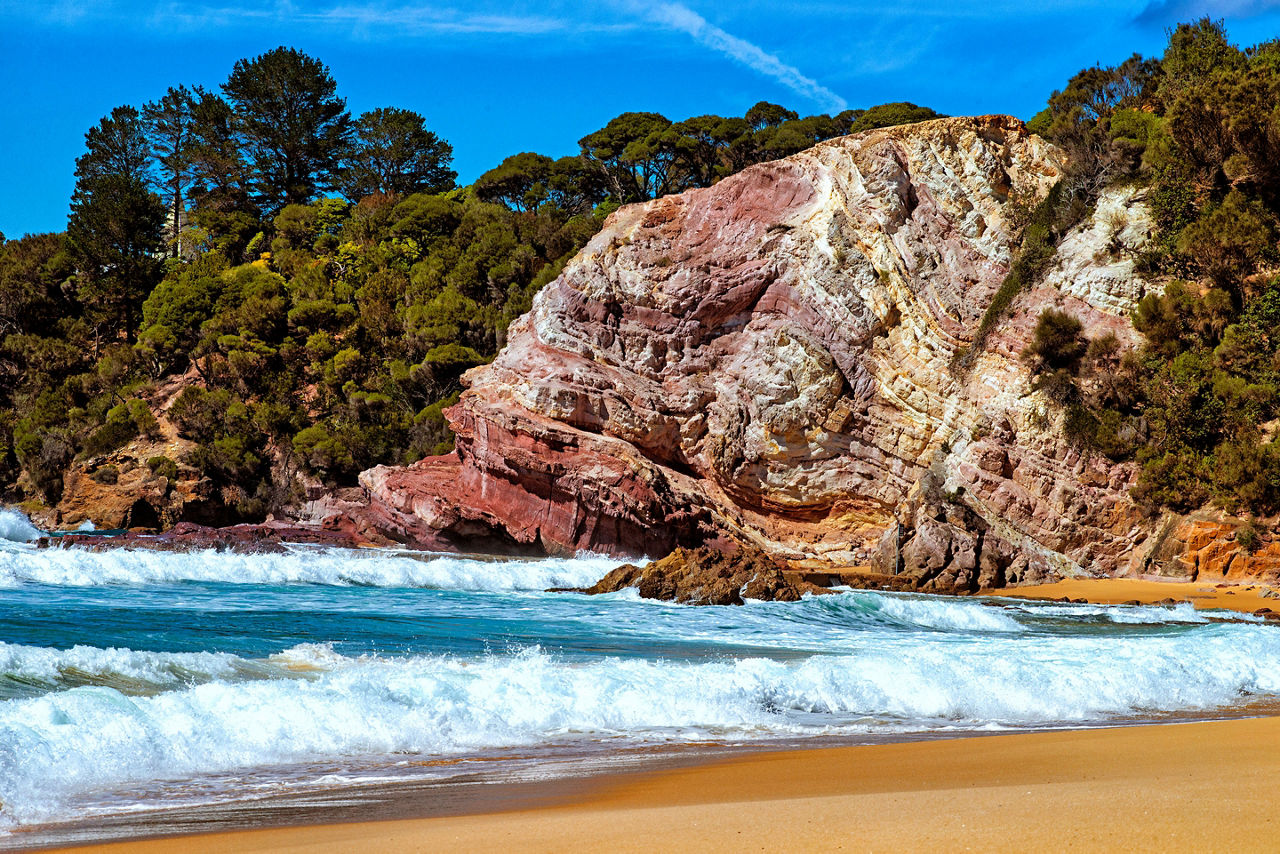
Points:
x=1179, y=787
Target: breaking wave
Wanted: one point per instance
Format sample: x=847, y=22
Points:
x=113, y=717
x=78, y=567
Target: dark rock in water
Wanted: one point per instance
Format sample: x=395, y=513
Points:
x=708, y=576
x=265, y=538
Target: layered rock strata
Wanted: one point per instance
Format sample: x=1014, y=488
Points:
x=768, y=361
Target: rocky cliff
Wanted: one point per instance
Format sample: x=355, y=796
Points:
x=768, y=360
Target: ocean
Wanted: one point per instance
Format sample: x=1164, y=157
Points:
x=135, y=684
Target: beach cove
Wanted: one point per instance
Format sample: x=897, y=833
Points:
x=151, y=693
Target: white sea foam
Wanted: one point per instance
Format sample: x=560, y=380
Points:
x=16, y=527
x=58, y=745
x=298, y=565
x=939, y=613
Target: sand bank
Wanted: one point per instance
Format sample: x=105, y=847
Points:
x=1115, y=591
x=1182, y=787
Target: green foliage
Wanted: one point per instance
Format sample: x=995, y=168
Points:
x=294, y=125
x=1230, y=240
x=1248, y=537
x=108, y=474
x=162, y=466
x=113, y=236
x=888, y=115
x=1049, y=220
x=124, y=422
x=1057, y=343
x=392, y=153
x=116, y=147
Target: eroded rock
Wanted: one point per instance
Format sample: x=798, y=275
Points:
x=707, y=576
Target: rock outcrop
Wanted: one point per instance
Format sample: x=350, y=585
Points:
x=768, y=360
x=144, y=485
x=707, y=576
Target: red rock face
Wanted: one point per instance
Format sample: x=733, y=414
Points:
x=765, y=359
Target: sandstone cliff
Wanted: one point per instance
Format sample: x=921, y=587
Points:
x=768, y=359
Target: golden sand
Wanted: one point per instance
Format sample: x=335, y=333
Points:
x=1181, y=787
x=1115, y=591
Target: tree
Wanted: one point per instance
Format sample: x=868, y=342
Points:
x=634, y=154
x=291, y=124
x=32, y=270
x=890, y=115
x=519, y=182
x=1057, y=343
x=170, y=129
x=574, y=187
x=1229, y=241
x=1195, y=51
x=221, y=184
x=1098, y=92
x=116, y=145
x=705, y=146
x=392, y=152
x=765, y=115
x=114, y=234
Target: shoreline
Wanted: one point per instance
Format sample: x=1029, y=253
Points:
x=1242, y=597
x=1202, y=785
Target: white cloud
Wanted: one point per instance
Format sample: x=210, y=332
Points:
x=677, y=16
x=368, y=19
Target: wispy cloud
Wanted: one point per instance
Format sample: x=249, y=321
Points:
x=374, y=19
x=1163, y=12
x=677, y=16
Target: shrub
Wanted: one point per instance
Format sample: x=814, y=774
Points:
x=1248, y=538
x=1057, y=344
x=162, y=466
x=106, y=474
x=1230, y=240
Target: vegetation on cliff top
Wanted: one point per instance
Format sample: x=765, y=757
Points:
x=314, y=279
x=1197, y=406
x=319, y=284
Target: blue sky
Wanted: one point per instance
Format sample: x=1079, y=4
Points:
x=495, y=78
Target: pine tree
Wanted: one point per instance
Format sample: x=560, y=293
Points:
x=392, y=152
x=292, y=126
x=170, y=131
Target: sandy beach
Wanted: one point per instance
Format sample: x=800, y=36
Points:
x=1245, y=598
x=1180, y=787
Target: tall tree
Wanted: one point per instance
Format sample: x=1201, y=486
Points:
x=170, y=127
x=705, y=147
x=220, y=177
x=116, y=145
x=392, y=152
x=765, y=115
x=291, y=124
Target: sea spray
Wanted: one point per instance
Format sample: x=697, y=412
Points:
x=15, y=527
x=130, y=677
x=296, y=565
x=309, y=704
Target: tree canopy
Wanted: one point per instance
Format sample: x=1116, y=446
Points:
x=294, y=126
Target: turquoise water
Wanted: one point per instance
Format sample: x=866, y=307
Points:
x=130, y=678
